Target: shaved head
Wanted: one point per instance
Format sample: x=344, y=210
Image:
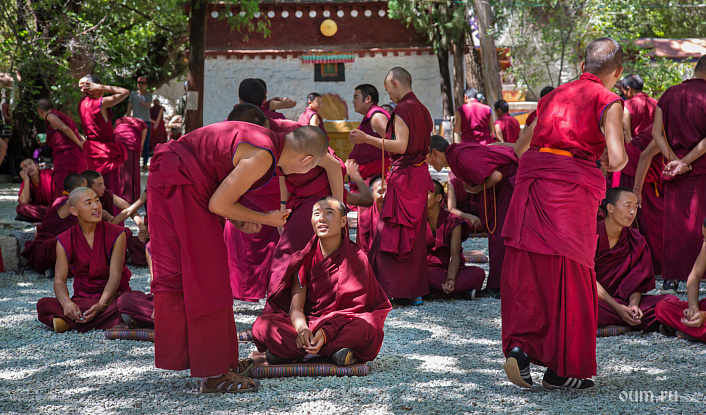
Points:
x=80, y=194
x=247, y=113
x=603, y=55
x=252, y=91
x=439, y=143
x=309, y=140
x=73, y=181
x=342, y=209
x=45, y=104
x=91, y=176
x=401, y=75
x=438, y=188
x=614, y=194
x=700, y=67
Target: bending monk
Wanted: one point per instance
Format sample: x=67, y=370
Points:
x=687, y=319
x=447, y=266
x=624, y=267
x=463, y=204
x=398, y=252
x=93, y=253
x=194, y=183
x=41, y=252
x=549, y=314
x=330, y=304
x=37, y=192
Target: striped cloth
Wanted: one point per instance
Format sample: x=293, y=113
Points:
x=610, y=331
x=263, y=370
x=124, y=333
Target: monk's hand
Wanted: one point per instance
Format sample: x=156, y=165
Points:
x=72, y=311
x=91, y=313
x=472, y=189
x=473, y=220
x=304, y=338
x=277, y=217
x=626, y=314
x=144, y=234
x=357, y=137
x=24, y=176
x=87, y=87
x=353, y=170
x=675, y=168
x=638, y=194
x=317, y=343
x=636, y=312
x=448, y=286
x=247, y=227
x=693, y=317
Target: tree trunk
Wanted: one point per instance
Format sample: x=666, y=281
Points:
x=459, y=78
x=489, y=55
x=474, y=74
x=445, y=82
x=197, y=54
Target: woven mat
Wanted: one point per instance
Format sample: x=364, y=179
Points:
x=263, y=370
x=122, y=332
x=475, y=257
x=610, y=331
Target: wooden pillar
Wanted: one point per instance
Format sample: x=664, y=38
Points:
x=197, y=54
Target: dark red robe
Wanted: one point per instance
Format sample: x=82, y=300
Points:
x=475, y=122
x=41, y=197
x=670, y=312
x=683, y=108
x=194, y=326
x=439, y=255
x=90, y=270
x=66, y=155
x=473, y=163
x=41, y=252
x=550, y=300
x=642, y=112
x=466, y=202
x=159, y=132
x=367, y=223
x=305, y=118
x=343, y=298
x=103, y=154
x=623, y=270
x=530, y=118
x=398, y=252
x=128, y=132
x=509, y=126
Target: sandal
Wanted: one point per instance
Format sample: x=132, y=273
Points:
x=229, y=383
x=244, y=366
x=245, y=336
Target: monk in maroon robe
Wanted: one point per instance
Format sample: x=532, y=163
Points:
x=533, y=115
x=368, y=218
x=194, y=183
x=92, y=252
x=488, y=171
x=507, y=128
x=687, y=319
x=624, y=267
x=37, y=192
x=131, y=133
x=115, y=208
x=473, y=118
x=680, y=115
x=41, y=252
x=463, y=204
x=270, y=106
x=65, y=142
x=331, y=305
x=549, y=307
x=398, y=252
x=103, y=153
x=447, y=267
x=311, y=116
x=374, y=123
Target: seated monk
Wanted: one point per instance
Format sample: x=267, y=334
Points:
x=447, y=266
x=331, y=304
x=93, y=253
x=36, y=192
x=687, y=319
x=624, y=267
x=112, y=204
x=41, y=252
x=368, y=218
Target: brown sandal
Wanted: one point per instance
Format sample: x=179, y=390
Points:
x=244, y=366
x=245, y=336
x=230, y=383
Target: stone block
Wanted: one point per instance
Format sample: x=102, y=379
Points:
x=10, y=254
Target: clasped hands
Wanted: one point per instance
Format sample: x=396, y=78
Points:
x=309, y=342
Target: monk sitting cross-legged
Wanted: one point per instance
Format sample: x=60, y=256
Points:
x=624, y=267
x=36, y=192
x=93, y=253
x=331, y=303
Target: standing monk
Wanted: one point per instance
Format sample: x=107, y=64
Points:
x=472, y=123
x=65, y=143
x=507, y=128
x=194, y=182
x=311, y=116
x=533, y=115
x=103, y=154
x=549, y=314
x=37, y=192
x=131, y=133
x=680, y=114
x=369, y=157
x=398, y=252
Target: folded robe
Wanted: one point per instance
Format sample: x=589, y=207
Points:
x=41, y=196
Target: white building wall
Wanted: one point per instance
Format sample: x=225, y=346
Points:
x=291, y=78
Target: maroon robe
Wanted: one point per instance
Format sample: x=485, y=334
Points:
x=103, y=154
x=305, y=118
x=195, y=327
x=473, y=163
x=367, y=223
x=41, y=197
x=466, y=202
x=475, y=122
x=642, y=112
x=683, y=108
x=159, y=132
x=90, y=270
x=671, y=311
x=128, y=132
x=510, y=127
x=41, y=252
x=550, y=300
x=265, y=107
x=530, y=118
x=343, y=299
x=66, y=155
x=439, y=255
x=398, y=252
x=623, y=270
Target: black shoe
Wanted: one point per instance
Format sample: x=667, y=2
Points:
x=23, y=218
x=49, y=273
x=469, y=295
x=344, y=357
x=273, y=359
x=552, y=380
x=129, y=321
x=517, y=368
x=667, y=330
x=670, y=286
x=490, y=292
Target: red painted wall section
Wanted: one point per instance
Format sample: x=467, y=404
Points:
x=303, y=33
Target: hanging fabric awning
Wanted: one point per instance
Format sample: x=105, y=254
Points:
x=334, y=57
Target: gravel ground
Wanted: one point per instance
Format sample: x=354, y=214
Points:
x=443, y=357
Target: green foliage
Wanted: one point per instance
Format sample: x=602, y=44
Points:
x=658, y=75
x=444, y=22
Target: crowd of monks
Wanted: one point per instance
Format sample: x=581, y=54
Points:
x=582, y=208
